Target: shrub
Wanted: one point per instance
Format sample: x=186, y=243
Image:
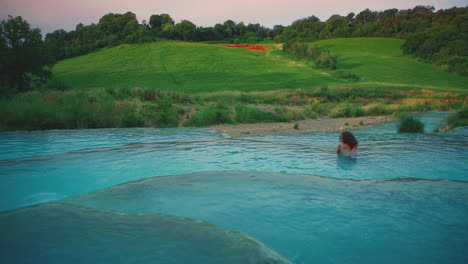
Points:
x=296, y=126
x=246, y=114
x=378, y=109
x=410, y=124
x=459, y=118
x=322, y=59
x=326, y=61
x=247, y=98
x=120, y=93
x=55, y=84
x=310, y=113
x=288, y=115
x=416, y=107
x=166, y=114
x=321, y=108
x=346, y=76
x=59, y=110
x=212, y=115
x=347, y=110
x=456, y=105
x=130, y=118
x=400, y=114
x=149, y=94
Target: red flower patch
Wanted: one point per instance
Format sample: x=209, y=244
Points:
x=249, y=47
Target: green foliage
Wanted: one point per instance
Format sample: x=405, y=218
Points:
x=410, y=124
x=247, y=114
x=459, y=118
x=119, y=93
x=456, y=105
x=419, y=107
x=25, y=61
x=296, y=126
x=166, y=115
x=287, y=114
x=65, y=110
x=130, y=118
x=158, y=21
x=308, y=112
x=346, y=110
x=321, y=108
x=55, y=84
x=322, y=59
x=326, y=61
x=212, y=115
x=346, y=76
x=378, y=109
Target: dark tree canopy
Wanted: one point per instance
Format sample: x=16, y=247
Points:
x=23, y=57
x=157, y=21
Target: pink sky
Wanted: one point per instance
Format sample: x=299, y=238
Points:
x=50, y=15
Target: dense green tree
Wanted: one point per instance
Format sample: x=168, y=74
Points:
x=307, y=29
x=157, y=21
x=24, y=60
x=185, y=29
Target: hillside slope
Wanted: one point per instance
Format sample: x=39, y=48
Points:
x=187, y=67
x=380, y=61
x=190, y=67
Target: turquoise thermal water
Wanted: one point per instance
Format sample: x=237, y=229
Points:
x=366, y=218
x=48, y=165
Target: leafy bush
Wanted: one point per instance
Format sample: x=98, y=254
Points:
x=288, y=114
x=120, y=93
x=149, y=94
x=130, y=118
x=247, y=98
x=310, y=113
x=416, y=107
x=410, y=124
x=378, y=109
x=246, y=114
x=61, y=110
x=212, y=115
x=166, y=114
x=347, y=110
x=55, y=84
x=459, y=118
x=320, y=108
x=326, y=61
x=322, y=59
x=346, y=76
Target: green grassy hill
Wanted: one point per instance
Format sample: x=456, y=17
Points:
x=380, y=61
x=190, y=68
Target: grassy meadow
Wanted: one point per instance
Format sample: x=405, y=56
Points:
x=171, y=84
x=380, y=62
x=187, y=67
x=194, y=68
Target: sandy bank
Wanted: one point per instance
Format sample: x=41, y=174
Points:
x=305, y=126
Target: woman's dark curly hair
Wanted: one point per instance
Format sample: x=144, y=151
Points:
x=348, y=138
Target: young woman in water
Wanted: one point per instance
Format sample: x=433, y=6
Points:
x=348, y=145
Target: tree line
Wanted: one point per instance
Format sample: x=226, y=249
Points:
x=439, y=37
